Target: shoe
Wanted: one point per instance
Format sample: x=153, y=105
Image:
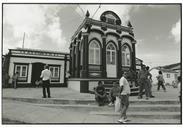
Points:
x=111, y=104
x=121, y=120
x=125, y=120
x=147, y=98
x=49, y=96
x=152, y=96
x=43, y=97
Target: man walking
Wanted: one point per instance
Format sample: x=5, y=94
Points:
x=124, y=96
x=46, y=77
x=161, y=81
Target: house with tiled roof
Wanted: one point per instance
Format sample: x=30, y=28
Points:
x=170, y=73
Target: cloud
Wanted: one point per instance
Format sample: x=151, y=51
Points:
x=175, y=32
x=39, y=22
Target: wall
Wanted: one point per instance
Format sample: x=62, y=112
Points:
x=154, y=73
x=75, y=85
x=33, y=60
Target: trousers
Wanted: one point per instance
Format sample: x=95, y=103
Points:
x=46, y=86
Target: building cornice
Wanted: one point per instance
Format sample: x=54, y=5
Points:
x=101, y=24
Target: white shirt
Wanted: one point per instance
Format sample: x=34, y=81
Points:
x=46, y=74
x=126, y=87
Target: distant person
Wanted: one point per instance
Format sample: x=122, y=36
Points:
x=179, y=87
x=150, y=83
x=161, y=81
x=131, y=74
x=124, y=96
x=115, y=91
x=143, y=82
x=15, y=80
x=46, y=78
x=100, y=94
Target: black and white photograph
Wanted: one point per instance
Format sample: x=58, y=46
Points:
x=91, y=63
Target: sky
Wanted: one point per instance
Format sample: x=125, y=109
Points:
x=51, y=26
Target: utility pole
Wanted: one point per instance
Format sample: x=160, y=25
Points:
x=23, y=40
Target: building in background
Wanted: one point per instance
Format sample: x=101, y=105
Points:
x=30, y=62
x=170, y=73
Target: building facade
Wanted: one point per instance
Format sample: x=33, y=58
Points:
x=30, y=62
x=170, y=73
x=101, y=50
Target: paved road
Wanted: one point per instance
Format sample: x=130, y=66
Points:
x=36, y=113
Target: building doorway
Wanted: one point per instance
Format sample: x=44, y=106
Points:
x=36, y=71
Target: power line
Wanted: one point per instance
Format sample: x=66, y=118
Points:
x=96, y=10
x=81, y=9
x=23, y=40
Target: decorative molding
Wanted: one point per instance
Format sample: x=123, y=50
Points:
x=85, y=34
x=101, y=24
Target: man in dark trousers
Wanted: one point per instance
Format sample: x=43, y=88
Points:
x=46, y=78
x=143, y=82
x=150, y=83
x=15, y=80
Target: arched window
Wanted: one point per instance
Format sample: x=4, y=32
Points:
x=94, y=52
x=111, y=54
x=126, y=56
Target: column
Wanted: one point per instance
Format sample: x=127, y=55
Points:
x=119, y=66
x=104, y=72
x=29, y=73
x=73, y=62
x=65, y=70
x=84, y=71
x=77, y=72
x=133, y=56
x=70, y=62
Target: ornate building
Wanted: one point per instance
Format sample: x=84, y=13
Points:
x=100, y=50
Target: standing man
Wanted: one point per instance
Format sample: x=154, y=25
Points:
x=124, y=96
x=46, y=77
x=150, y=82
x=15, y=80
x=143, y=82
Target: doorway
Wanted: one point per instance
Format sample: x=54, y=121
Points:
x=36, y=71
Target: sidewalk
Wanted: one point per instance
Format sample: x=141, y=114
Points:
x=28, y=112
x=66, y=93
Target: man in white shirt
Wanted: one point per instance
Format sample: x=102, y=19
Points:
x=46, y=77
x=124, y=96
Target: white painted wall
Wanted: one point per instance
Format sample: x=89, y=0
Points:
x=74, y=85
x=92, y=85
x=111, y=70
x=33, y=60
x=154, y=73
x=171, y=79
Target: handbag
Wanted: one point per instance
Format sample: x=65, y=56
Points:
x=118, y=104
